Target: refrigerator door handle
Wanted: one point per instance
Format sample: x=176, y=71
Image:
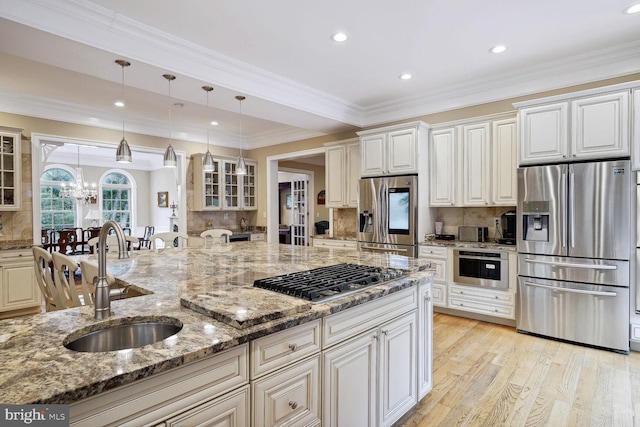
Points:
x=564, y=209
x=573, y=264
x=382, y=208
x=572, y=206
x=572, y=291
x=382, y=249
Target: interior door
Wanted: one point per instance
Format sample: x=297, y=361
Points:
x=299, y=229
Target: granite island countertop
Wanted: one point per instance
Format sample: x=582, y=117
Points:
x=476, y=245
x=38, y=369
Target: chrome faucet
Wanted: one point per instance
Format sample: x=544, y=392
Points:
x=102, y=303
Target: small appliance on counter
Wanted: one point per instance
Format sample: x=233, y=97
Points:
x=508, y=221
x=469, y=233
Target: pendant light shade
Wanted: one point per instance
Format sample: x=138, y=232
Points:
x=207, y=161
x=241, y=167
x=123, y=153
x=170, y=159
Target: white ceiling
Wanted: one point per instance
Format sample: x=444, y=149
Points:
x=57, y=60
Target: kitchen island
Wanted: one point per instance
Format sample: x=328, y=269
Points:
x=37, y=368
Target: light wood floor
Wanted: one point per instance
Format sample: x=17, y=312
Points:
x=490, y=375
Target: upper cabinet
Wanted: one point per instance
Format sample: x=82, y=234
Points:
x=342, y=174
x=222, y=189
x=10, y=163
x=392, y=150
x=473, y=163
x=586, y=125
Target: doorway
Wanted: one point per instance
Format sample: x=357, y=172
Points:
x=273, y=193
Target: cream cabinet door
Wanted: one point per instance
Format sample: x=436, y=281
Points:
x=335, y=176
x=504, y=183
x=402, y=151
x=353, y=174
x=373, y=154
x=600, y=126
x=350, y=383
x=10, y=167
x=18, y=288
x=425, y=340
x=635, y=137
x=475, y=185
x=443, y=168
x=398, y=364
x=544, y=133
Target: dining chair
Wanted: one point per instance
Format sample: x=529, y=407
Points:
x=89, y=234
x=64, y=270
x=112, y=240
x=168, y=239
x=66, y=241
x=214, y=235
x=145, y=242
x=44, y=276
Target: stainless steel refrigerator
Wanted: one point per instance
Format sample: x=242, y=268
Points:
x=575, y=240
x=387, y=215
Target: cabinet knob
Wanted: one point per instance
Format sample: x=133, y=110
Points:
x=293, y=346
x=293, y=404
x=427, y=299
x=384, y=332
x=375, y=337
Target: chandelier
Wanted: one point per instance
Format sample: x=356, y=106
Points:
x=78, y=189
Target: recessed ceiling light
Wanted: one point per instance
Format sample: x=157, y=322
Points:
x=214, y=123
x=405, y=76
x=339, y=37
x=119, y=104
x=498, y=49
x=632, y=9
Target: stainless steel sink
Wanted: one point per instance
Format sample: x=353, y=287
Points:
x=134, y=333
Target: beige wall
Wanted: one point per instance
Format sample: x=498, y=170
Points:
x=22, y=220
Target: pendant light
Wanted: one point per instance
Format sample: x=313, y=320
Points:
x=170, y=159
x=207, y=161
x=123, y=153
x=241, y=168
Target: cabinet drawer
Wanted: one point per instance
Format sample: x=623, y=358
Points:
x=353, y=321
x=256, y=237
x=485, y=295
x=432, y=252
x=168, y=392
x=17, y=255
x=228, y=410
x=482, y=307
x=338, y=244
x=281, y=349
x=288, y=397
x=439, y=296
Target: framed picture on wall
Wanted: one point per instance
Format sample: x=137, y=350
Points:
x=163, y=199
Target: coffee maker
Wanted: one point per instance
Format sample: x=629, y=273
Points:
x=508, y=220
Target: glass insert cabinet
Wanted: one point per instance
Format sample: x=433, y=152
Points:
x=222, y=189
x=10, y=164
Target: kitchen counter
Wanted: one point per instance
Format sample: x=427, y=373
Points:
x=38, y=369
x=477, y=245
x=327, y=237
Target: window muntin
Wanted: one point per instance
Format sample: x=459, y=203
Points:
x=116, y=191
x=56, y=212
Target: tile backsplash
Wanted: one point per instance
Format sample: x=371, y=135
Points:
x=482, y=217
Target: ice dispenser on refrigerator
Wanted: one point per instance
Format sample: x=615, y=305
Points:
x=535, y=221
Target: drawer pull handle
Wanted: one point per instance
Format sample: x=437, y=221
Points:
x=384, y=332
x=293, y=347
x=293, y=404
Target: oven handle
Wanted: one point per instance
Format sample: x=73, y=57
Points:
x=482, y=258
x=573, y=264
x=375, y=248
x=572, y=291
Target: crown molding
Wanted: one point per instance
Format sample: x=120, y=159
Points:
x=614, y=61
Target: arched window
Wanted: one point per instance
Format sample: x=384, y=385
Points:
x=117, y=190
x=56, y=212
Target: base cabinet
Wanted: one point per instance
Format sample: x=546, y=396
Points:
x=19, y=291
x=227, y=411
x=374, y=370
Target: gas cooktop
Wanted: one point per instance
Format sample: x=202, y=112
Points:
x=326, y=283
